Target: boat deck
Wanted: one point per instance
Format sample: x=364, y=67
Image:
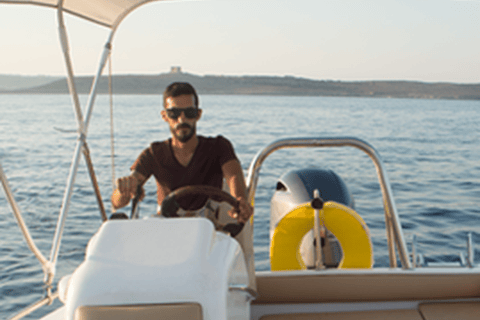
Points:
x=385, y=294
x=427, y=311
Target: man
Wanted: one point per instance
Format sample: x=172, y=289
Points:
x=185, y=159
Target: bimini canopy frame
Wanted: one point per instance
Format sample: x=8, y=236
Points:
x=106, y=13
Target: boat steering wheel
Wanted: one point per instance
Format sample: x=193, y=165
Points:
x=170, y=204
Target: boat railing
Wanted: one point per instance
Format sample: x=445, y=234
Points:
x=394, y=232
x=420, y=261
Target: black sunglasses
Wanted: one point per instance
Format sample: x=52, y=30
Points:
x=174, y=113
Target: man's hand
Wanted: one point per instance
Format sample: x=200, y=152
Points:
x=244, y=213
x=127, y=186
x=126, y=190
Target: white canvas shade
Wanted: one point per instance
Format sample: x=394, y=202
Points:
x=108, y=13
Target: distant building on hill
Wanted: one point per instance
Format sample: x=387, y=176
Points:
x=176, y=70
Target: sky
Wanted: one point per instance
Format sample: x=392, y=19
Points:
x=345, y=40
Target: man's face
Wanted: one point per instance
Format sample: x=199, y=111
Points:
x=182, y=116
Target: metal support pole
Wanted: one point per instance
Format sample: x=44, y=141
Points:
x=20, y=221
x=62, y=32
x=470, y=251
x=35, y=306
x=391, y=244
x=319, y=230
x=414, y=251
x=93, y=178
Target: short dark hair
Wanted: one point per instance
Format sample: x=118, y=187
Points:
x=177, y=89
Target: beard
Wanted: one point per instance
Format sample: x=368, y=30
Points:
x=183, y=131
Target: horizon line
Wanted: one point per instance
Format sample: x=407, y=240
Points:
x=244, y=75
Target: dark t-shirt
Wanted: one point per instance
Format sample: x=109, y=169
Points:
x=205, y=167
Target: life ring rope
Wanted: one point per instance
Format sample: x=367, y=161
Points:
x=345, y=224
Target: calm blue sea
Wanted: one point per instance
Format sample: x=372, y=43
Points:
x=431, y=151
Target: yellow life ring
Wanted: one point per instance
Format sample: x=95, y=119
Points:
x=347, y=226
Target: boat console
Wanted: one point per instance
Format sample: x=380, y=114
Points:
x=176, y=268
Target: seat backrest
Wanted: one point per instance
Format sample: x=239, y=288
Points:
x=192, y=311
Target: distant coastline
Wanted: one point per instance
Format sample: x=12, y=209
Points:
x=259, y=85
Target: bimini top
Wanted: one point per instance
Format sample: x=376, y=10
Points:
x=108, y=13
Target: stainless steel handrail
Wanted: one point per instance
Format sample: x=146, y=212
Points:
x=392, y=221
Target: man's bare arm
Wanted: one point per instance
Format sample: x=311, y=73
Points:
x=233, y=174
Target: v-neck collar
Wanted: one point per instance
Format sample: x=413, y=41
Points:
x=191, y=159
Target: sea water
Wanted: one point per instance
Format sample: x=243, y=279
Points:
x=430, y=149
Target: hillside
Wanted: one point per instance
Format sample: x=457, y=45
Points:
x=263, y=85
x=16, y=82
